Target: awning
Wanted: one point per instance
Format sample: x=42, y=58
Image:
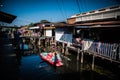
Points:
x=5, y=17
x=35, y=27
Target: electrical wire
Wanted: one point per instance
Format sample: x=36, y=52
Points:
x=64, y=10
x=62, y=13
x=78, y=6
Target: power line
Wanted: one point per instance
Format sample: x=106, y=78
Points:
x=62, y=13
x=78, y=6
x=83, y=5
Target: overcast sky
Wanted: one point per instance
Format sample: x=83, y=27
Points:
x=28, y=11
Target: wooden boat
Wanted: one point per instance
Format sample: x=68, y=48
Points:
x=52, y=58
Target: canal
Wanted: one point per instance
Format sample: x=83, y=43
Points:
x=32, y=67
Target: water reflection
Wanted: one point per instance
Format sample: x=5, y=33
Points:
x=33, y=67
x=78, y=66
x=18, y=56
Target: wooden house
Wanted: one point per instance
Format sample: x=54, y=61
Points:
x=63, y=32
x=102, y=24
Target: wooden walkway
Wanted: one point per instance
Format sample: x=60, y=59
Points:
x=108, y=51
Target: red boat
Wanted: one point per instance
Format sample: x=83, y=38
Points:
x=52, y=58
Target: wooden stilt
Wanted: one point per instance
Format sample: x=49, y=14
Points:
x=66, y=51
x=39, y=42
x=93, y=61
x=78, y=54
x=55, y=43
x=63, y=47
x=82, y=57
x=78, y=66
x=51, y=40
x=119, y=54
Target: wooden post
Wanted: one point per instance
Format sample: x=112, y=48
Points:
x=55, y=46
x=63, y=45
x=93, y=61
x=44, y=32
x=52, y=39
x=82, y=57
x=22, y=45
x=78, y=52
x=49, y=41
x=34, y=43
x=78, y=66
x=39, y=42
x=119, y=53
x=45, y=42
x=66, y=51
x=81, y=65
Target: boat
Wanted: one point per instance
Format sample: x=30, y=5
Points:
x=52, y=57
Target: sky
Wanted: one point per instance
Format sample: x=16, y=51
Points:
x=32, y=11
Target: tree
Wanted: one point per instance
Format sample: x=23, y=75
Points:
x=44, y=21
x=30, y=25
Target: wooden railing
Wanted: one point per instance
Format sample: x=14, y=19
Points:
x=108, y=50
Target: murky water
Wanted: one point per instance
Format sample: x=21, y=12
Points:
x=34, y=68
